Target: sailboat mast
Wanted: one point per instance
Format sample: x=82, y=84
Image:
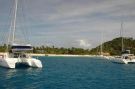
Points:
x=14, y=22
x=101, y=44
x=122, y=41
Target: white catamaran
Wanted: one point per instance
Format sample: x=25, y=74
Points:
x=126, y=56
x=17, y=52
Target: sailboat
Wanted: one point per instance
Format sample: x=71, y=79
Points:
x=17, y=52
x=101, y=53
x=126, y=57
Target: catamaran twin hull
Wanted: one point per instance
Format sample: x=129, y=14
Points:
x=7, y=62
x=122, y=61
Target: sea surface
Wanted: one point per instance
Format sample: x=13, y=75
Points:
x=70, y=73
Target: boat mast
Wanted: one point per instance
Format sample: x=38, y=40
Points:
x=121, y=33
x=101, y=44
x=14, y=21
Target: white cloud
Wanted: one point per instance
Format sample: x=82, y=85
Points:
x=73, y=8
x=84, y=43
x=60, y=22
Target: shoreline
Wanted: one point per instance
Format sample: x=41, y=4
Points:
x=59, y=55
x=62, y=55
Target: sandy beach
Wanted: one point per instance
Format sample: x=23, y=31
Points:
x=58, y=55
x=63, y=55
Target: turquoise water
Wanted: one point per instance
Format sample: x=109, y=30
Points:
x=70, y=73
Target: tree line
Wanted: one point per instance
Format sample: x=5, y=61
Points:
x=54, y=50
x=112, y=47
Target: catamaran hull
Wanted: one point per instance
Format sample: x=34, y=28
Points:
x=11, y=62
x=122, y=61
x=7, y=63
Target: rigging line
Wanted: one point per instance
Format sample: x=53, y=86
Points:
x=9, y=35
x=2, y=37
x=24, y=8
x=5, y=31
x=24, y=31
x=10, y=29
x=29, y=20
x=14, y=22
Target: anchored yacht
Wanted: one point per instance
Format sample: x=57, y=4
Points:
x=125, y=58
x=17, y=53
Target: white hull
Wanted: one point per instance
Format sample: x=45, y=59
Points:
x=11, y=62
x=17, y=51
x=122, y=61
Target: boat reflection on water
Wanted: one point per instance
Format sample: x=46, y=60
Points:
x=18, y=72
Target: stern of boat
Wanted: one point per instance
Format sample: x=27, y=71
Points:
x=36, y=63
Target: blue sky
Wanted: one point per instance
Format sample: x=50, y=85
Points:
x=68, y=23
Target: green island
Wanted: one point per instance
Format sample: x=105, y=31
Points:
x=112, y=47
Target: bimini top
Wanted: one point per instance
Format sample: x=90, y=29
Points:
x=126, y=52
x=18, y=47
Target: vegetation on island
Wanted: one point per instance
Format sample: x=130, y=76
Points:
x=112, y=47
x=55, y=50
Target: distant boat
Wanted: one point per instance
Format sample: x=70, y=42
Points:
x=126, y=57
x=17, y=53
x=101, y=53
